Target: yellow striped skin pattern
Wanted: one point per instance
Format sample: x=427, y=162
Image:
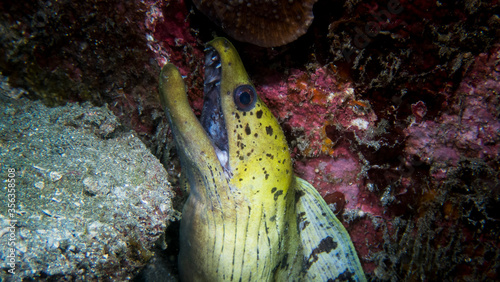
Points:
x=247, y=217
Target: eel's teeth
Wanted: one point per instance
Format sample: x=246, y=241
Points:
x=211, y=79
x=212, y=60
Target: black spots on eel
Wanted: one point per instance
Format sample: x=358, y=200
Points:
x=247, y=129
x=259, y=113
x=346, y=276
x=276, y=193
x=269, y=130
x=325, y=246
x=298, y=194
x=302, y=221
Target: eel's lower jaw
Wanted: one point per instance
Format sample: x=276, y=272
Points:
x=212, y=117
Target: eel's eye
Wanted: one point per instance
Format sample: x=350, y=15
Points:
x=245, y=97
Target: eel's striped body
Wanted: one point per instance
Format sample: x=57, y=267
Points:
x=247, y=217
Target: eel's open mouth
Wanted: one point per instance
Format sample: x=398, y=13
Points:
x=212, y=117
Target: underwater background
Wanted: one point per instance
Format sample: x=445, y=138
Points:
x=390, y=108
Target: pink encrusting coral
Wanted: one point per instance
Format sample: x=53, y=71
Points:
x=330, y=174
x=335, y=135
x=469, y=127
x=308, y=103
x=169, y=37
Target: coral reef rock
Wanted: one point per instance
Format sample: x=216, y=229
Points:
x=89, y=198
x=263, y=23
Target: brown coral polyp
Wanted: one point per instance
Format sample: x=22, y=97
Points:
x=265, y=23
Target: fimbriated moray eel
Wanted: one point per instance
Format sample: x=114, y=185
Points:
x=247, y=217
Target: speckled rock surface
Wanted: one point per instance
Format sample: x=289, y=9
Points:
x=90, y=200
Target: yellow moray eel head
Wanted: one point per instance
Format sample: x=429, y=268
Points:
x=258, y=153
x=247, y=217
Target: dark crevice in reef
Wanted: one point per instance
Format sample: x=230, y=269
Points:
x=163, y=265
